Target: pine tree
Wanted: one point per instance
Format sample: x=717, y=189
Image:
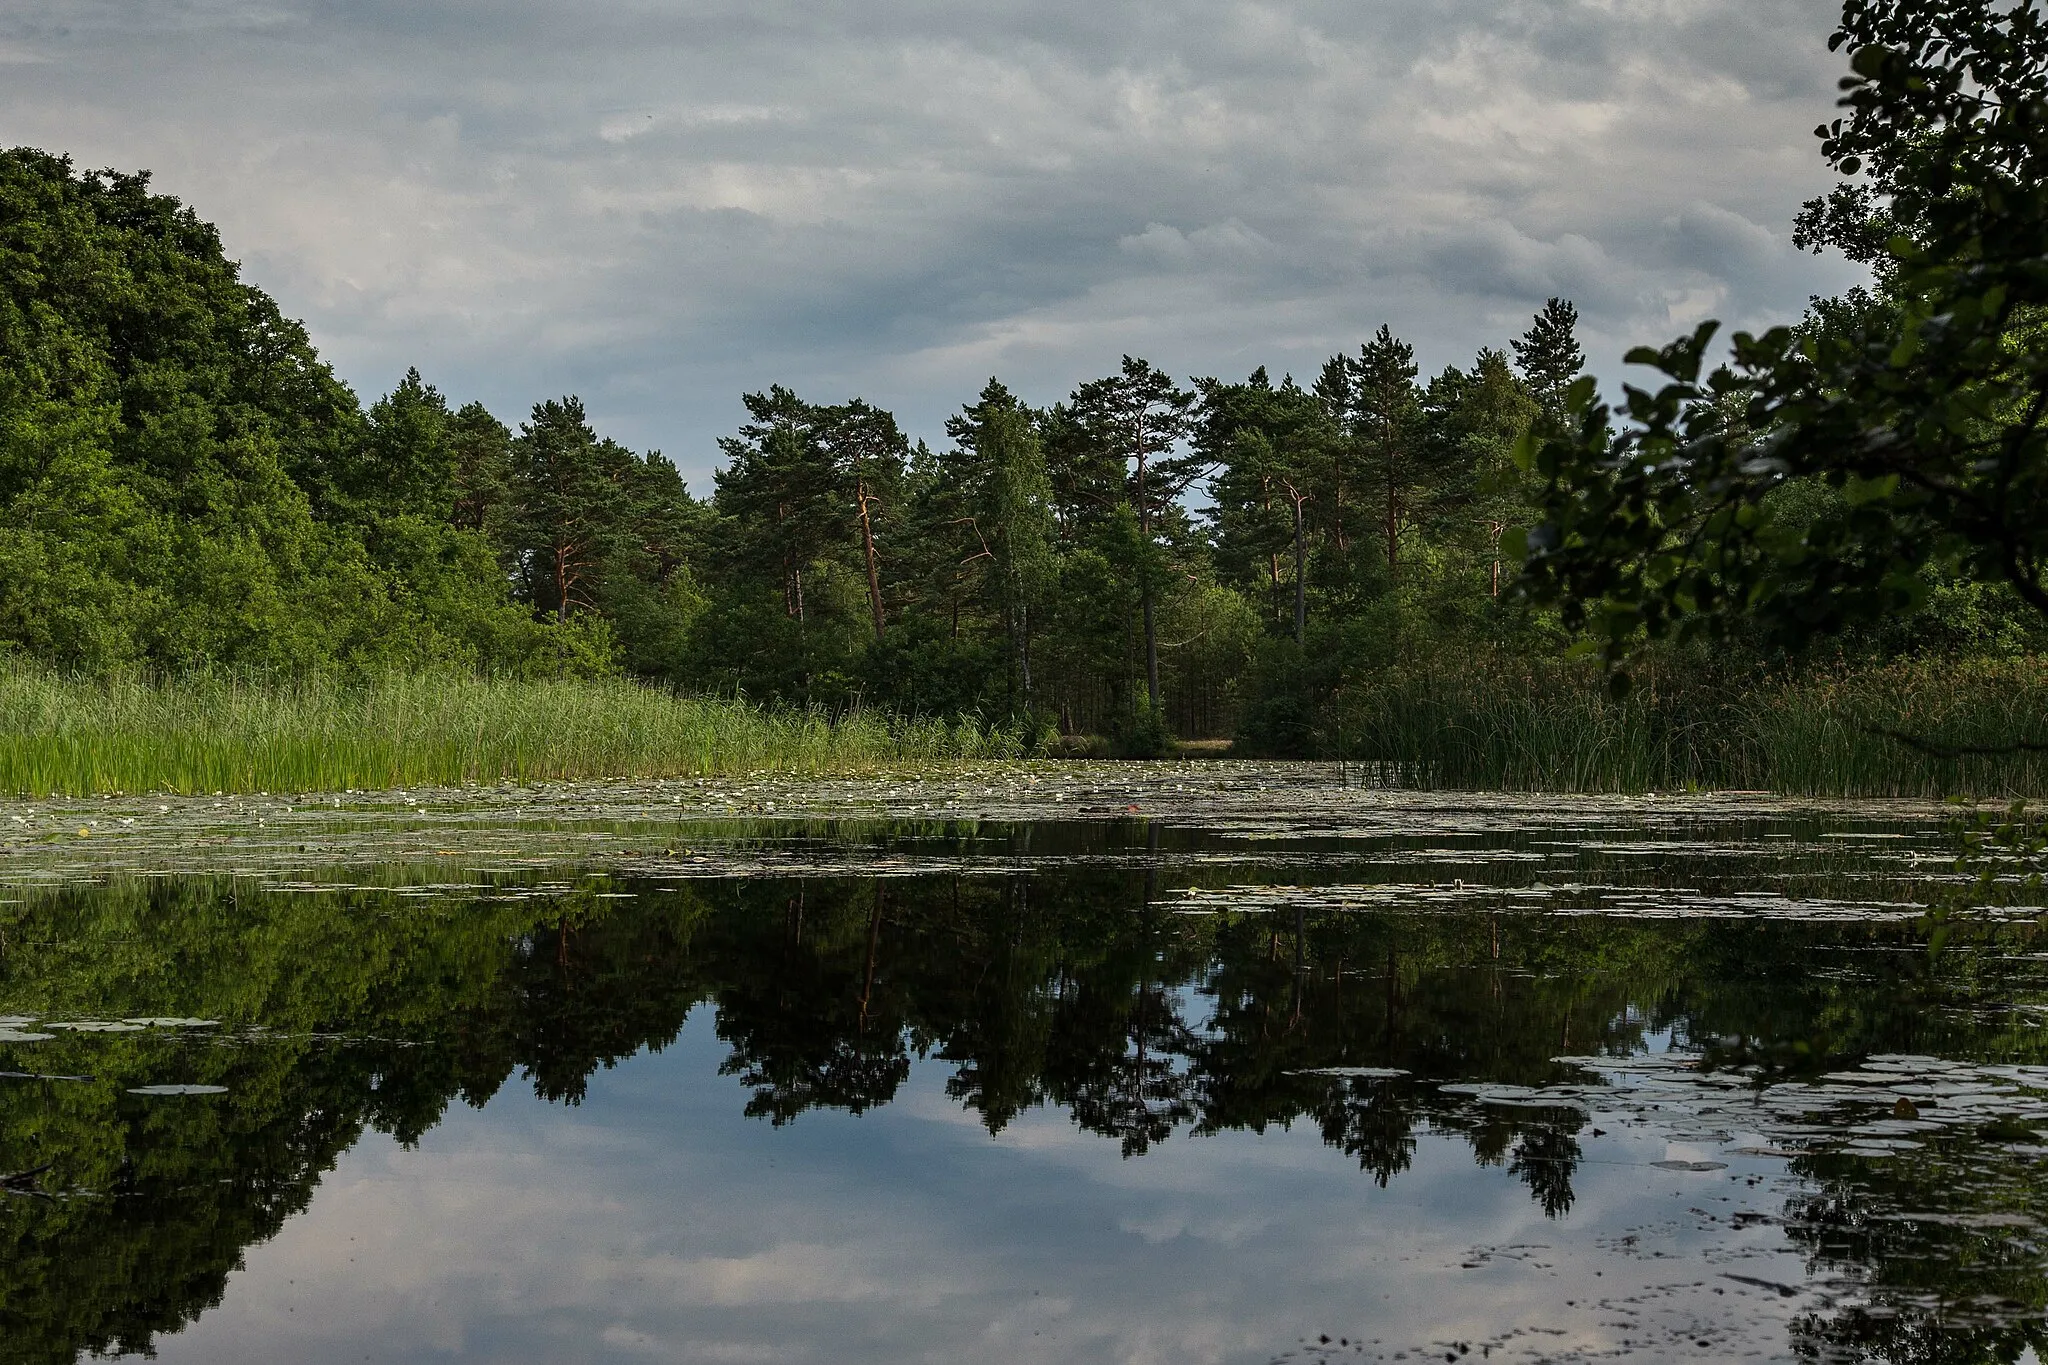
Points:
x=1548, y=354
x=1273, y=451
x=1001, y=466
x=1472, y=420
x=1386, y=409
x=571, y=498
x=480, y=452
x=864, y=454
x=405, y=463
x=1136, y=417
x=1336, y=389
x=779, y=486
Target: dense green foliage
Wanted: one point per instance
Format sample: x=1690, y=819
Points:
x=1891, y=451
x=183, y=484
x=182, y=481
x=186, y=484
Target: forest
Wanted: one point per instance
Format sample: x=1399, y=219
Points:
x=1322, y=565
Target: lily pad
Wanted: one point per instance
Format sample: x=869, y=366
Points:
x=153, y=1022
x=97, y=1026
x=1367, y=1073
x=1690, y=1165
x=1535, y=1102
x=177, y=1090
x=8, y=1035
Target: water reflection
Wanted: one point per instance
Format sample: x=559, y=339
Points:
x=1763, y=1048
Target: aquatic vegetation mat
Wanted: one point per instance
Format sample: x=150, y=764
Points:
x=571, y=822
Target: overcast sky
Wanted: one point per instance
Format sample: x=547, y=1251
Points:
x=660, y=203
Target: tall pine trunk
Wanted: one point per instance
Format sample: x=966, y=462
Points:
x=867, y=541
x=1145, y=588
x=1300, y=576
x=1393, y=506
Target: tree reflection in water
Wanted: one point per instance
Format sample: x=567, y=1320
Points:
x=350, y=1009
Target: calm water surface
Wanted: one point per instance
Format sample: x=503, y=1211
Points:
x=1534, y=1087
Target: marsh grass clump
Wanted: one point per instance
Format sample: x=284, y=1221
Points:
x=213, y=732
x=1515, y=728
x=1921, y=727
x=1918, y=728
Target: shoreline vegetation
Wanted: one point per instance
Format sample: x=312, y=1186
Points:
x=221, y=569
x=1813, y=732
x=205, y=733
x=1509, y=727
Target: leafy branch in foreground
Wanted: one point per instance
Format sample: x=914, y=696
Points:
x=1823, y=475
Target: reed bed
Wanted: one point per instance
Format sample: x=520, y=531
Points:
x=1918, y=728
x=1838, y=732
x=69, y=736
x=1494, y=725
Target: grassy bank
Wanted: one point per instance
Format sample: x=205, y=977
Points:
x=202, y=734
x=1496, y=727
x=1830, y=733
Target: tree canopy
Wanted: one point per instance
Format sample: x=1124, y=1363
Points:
x=1838, y=473
x=185, y=484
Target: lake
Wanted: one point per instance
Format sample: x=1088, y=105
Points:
x=1179, y=1062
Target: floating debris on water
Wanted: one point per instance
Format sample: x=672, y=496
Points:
x=1363, y=1073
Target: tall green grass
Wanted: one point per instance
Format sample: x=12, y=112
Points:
x=1834, y=732
x=1495, y=724
x=1506, y=731
x=61, y=735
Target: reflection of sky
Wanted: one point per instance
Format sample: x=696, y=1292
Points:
x=655, y=1222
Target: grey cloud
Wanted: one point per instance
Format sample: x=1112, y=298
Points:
x=1219, y=245
x=1716, y=239
x=659, y=204
x=1494, y=257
